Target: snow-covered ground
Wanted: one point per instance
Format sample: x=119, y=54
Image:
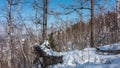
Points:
x=86, y=58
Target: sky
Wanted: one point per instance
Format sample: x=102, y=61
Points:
x=28, y=11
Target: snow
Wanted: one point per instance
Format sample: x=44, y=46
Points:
x=86, y=58
x=69, y=44
x=49, y=51
x=23, y=39
x=115, y=46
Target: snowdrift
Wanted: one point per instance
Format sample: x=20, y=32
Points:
x=86, y=58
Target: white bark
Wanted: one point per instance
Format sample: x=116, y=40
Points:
x=118, y=13
x=9, y=34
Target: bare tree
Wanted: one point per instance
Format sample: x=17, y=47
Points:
x=9, y=43
x=10, y=29
x=118, y=13
x=91, y=24
x=45, y=12
x=37, y=21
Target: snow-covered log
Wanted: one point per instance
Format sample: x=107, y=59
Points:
x=45, y=59
x=108, y=51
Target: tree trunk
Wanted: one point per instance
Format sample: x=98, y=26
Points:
x=45, y=7
x=9, y=43
x=118, y=13
x=91, y=24
x=118, y=18
x=37, y=22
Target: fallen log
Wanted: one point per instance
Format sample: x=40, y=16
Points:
x=44, y=59
x=108, y=51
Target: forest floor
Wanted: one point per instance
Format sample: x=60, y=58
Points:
x=86, y=58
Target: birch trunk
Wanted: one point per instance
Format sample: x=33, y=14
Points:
x=9, y=43
x=118, y=13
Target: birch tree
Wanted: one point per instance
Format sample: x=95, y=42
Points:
x=9, y=34
x=9, y=29
x=118, y=13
